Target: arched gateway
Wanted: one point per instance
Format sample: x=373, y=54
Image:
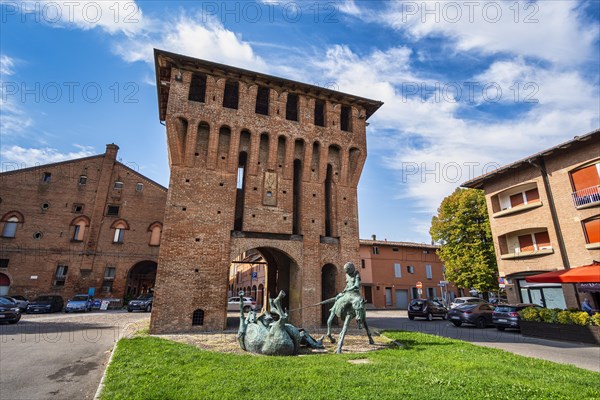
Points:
x=257, y=162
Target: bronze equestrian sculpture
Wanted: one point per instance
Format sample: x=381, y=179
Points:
x=347, y=305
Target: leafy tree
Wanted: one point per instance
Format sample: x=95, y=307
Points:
x=463, y=229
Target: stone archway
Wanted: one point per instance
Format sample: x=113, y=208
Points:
x=265, y=271
x=4, y=284
x=141, y=278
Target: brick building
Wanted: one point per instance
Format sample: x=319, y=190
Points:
x=248, y=273
x=390, y=271
x=257, y=162
x=544, y=215
x=85, y=225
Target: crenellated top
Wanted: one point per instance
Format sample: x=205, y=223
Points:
x=203, y=77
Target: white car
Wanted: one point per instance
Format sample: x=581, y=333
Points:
x=466, y=300
x=233, y=304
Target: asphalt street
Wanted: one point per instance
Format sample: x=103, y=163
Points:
x=581, y=355
x=58, y=356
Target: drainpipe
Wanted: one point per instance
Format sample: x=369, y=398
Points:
x=541, y=165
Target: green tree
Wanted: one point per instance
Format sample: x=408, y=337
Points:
x=463, y=229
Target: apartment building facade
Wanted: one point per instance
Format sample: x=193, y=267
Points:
x=390, y=271
x=91, y=225
x=545, y=215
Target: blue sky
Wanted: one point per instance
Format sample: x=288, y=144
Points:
x=467, y=86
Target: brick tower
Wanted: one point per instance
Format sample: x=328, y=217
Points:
x=257, y=162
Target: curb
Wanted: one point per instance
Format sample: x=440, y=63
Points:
x=101, y=384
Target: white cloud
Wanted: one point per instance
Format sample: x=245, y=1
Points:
x=550, y=30
x=114, y=16
x=30, y=156
x=13, y=118
x=6, y=65
x=451, y=149
x=188, y=36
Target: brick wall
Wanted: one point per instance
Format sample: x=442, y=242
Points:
x=48, y=208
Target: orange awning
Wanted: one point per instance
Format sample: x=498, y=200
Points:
x=587, y=273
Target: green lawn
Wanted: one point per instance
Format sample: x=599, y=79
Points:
x=429, y=367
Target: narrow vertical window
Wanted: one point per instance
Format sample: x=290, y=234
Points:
x=346, y=119
x=328, y=200
x=297, y=186
x=428, y=271
x=240, y=192
x=60, y=276
x=46, y=177
x=319, y=113
x=119, y=235
x=397, y=270
x=262, y=100
x=231, y=95
x=291, y=107
x=197, y=88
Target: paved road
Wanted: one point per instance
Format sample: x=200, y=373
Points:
x=58, y=356
x=580, y=355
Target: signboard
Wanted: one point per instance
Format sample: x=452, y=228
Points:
x=419, y=285
x=104, y=305
x=442, y=283
x=254, y=275
x=91, y=291
x=501, y=282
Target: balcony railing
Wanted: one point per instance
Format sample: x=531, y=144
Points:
x=586, y=196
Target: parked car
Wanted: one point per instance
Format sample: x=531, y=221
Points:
x=466, y=300
x=45, y=304
x=233, y=304
x=80, y=302
x=9, y=312
x=507, y=315
x=478, y=314
x=20, y=301
x=142, y=303
x=426, y=309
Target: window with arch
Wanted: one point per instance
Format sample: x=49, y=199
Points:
x=120, y=227
x=155, y=233
x=11, y=221
x=79, y=226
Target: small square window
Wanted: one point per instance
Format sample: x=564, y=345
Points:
x=112, y=211
x=77, y=208
x=3, y=262
x=118, y=185
x=107, y=286
x=395, y=249
x=109, y=273
x=139, y=187
x=375, y=250
x=46, y=177
x=82, y=180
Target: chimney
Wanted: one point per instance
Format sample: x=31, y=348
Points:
x=111, y=151
x=373, y=237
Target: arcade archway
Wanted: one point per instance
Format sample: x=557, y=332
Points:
x=141, y=278
x=262, y=273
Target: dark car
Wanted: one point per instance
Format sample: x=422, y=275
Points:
x=479, y=315
x=20, y=301
x=507, y=315
x=142, y=303
x=80, y=302
x=9, y=311
x=45, y=304
x=426, y=309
